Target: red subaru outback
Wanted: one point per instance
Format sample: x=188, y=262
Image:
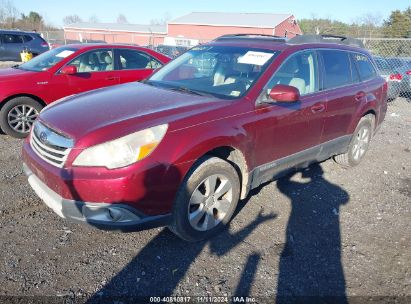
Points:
x=183, y=147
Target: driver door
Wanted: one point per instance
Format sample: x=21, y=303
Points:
x=290, y=133
x=95, y=69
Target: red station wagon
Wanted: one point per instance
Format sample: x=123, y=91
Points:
x=181, y=148
x=26, y=88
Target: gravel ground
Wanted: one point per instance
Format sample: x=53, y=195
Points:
x=325, y=231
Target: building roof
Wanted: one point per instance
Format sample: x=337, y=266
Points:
x=232, y=19
x=119, y=27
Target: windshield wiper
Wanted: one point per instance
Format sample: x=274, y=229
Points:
x=189, y=91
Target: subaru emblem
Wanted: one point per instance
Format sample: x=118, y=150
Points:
x=43, y=137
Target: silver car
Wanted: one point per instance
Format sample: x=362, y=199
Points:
x=392, y=77
x=403, y=67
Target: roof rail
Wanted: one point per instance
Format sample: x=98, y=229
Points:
x=251, y=36
x=326, y=39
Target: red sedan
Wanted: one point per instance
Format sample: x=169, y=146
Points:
x=26, y=88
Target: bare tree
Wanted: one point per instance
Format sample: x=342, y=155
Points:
x=8, y=13
x=162, y=21
x=93, y=19
x=71, y=19
x=122, y=19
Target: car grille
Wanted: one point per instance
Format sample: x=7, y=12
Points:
x=49, y=145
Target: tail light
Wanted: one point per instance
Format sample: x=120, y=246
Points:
x=44, y=44
x=396, y=77
x=408, y=72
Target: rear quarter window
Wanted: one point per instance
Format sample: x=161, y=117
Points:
x=337, y=69
x=364, y=66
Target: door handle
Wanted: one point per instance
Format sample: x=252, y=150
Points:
x=112, y=78
x=318, y=108
x=359, y=96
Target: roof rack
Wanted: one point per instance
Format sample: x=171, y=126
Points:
x=252, y=36
x=326, y=39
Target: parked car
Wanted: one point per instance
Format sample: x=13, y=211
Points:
x=403, y=67
x=12, y=42
x=25, y=89
x=181, y=148
x=392, y=77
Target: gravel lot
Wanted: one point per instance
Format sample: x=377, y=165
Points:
x=326, y=231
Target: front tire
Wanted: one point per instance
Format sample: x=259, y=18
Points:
x=18, y=115
x=359, y=144
x=206, y=200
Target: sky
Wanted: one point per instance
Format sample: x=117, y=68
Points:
x=141, y=12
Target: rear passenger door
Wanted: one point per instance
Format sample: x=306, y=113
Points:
x=134, y=65
x=345, y=93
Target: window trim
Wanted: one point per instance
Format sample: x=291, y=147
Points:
x=281, y=65
x=118, y=63
x=358, y=69
x=11, y=34
x=79, y=55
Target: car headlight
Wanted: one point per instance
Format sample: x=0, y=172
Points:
x=123, y=151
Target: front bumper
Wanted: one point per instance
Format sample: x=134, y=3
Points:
x=100, y=215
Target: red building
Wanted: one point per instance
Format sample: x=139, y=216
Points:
x=187, y=30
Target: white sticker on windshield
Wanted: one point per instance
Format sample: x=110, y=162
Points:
x=256, y=58
x=64, y=54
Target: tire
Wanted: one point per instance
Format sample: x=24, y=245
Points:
x=10, y=117
x=198, y=212
x=359, y=144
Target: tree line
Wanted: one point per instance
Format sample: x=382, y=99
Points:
x=397, y=25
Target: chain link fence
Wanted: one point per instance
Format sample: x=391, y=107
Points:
x=393, y=59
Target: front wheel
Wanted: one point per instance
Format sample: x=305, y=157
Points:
x=18, y=115
x=359, y=144
x=206, y=199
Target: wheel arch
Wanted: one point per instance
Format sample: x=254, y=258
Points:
x=36, y=98
x=236, y=158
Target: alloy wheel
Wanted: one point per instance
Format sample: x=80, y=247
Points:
x=210, y=202
x=361, y=142
x=21, y=118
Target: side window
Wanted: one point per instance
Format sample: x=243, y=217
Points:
x=11, y=38
x=94, y=61
x=337, y=69
x=365, y=67
x=27, y=38
x=300, y=71
x=135, y=60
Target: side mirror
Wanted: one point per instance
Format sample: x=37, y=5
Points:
x=284, y=93
x=69, y=70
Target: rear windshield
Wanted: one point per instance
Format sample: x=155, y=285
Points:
x=47, y=60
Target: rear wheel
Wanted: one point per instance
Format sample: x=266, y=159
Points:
x=206, y=200
x=18, y=115
x=359, y=143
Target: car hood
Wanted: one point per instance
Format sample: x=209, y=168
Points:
x=104, y=114
x=7, y=74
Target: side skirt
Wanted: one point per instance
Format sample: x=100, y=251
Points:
x=299, y=160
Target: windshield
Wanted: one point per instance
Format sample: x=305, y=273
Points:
x=221, y=71
x=47, y=60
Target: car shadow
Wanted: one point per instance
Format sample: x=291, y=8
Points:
x=310, y=268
